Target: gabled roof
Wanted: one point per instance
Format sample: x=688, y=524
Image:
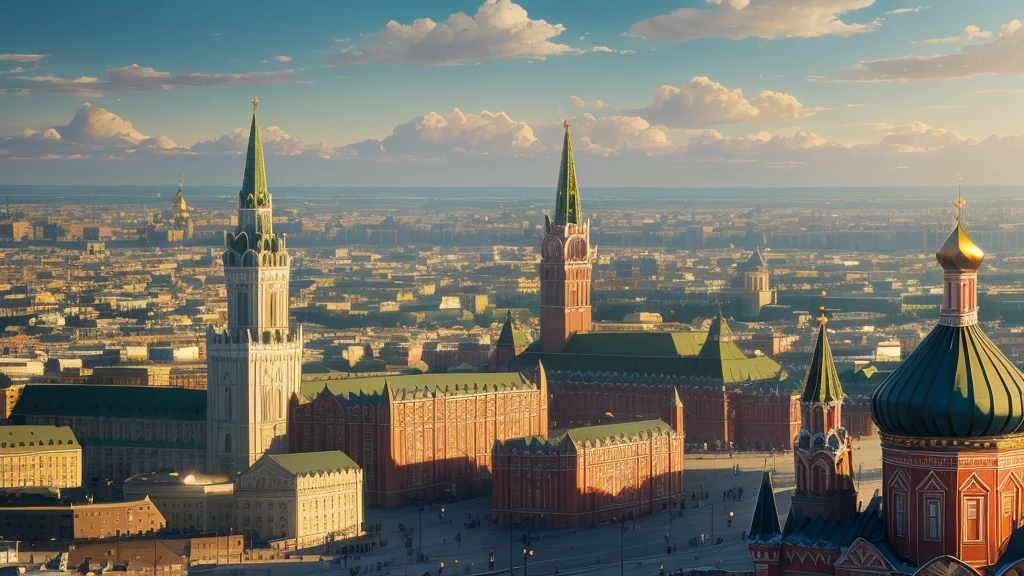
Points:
x=835, y=531
x=567, y=196
x=509, y=335
x=648, y=344
x=764, y=527
x=102, y=401
x=17, y=439
x=822, y=384
x=719, y=345
x=441, y=384
x=313, y=462
x=619, y=432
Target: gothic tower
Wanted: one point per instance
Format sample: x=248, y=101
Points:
x=951, y=421
x=566, y=262
x=672, y=412
x=254, y=367
x=823, y=458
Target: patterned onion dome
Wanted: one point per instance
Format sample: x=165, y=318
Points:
x=959, y=252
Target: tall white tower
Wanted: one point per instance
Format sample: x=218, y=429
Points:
x=254, y=367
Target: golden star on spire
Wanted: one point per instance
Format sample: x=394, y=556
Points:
x=822, y=318
x=255, y=103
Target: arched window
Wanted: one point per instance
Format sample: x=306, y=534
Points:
x=227, y=442
x=227, y=403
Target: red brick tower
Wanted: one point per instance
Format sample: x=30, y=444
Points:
x=951, y=421
x=672, y=412
x=823, y=458
x=566, y=262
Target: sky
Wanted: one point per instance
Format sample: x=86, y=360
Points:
x=659, y=93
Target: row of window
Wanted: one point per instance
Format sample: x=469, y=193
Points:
x=973, y=518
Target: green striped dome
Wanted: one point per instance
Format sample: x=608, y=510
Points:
x=956, y=384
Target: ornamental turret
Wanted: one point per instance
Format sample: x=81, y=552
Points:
x=566, y=262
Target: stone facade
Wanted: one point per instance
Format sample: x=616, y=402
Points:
x=39, y=456
x=428, y=436
x=190, y=503
x=311, y=499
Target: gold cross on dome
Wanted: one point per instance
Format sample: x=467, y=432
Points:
x=255, y=102
x=959, y=203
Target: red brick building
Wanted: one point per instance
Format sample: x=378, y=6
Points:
x=424, y=436
x=591, y=475
x=951, y=421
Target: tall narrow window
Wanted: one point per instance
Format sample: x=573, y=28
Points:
x=900, y=504
x=243, y=309
x=227, y=403
x=973, y=517
x=227, y=442
x=933, y=518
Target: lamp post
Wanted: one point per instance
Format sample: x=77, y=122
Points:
x=729, y=521
x=527, y=554
x=419, y=553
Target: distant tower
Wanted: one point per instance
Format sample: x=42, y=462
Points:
x=254, y=367
x=510, y=343
x=182, y=214
x=756, y=283
x=566, y=262
x=672, y=412
x=824, y=453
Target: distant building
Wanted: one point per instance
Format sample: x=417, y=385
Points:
x=190, y=503
x=39, y=456
x=312, y=499
x=757, y=292
x=82, y=521
x=426, y=436
x=591, y=475
x=510, y=344
x=124, y=430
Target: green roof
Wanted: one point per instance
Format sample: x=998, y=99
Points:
x=448, y=383
x=822, y=383
x=41, y=438
x=567, y=196
x=661, y=344
x=613, y=432
x=254, y=180
x=719, y=345
x=509, y=335
x=955, y=384
x=75, y=400
x=313, y=462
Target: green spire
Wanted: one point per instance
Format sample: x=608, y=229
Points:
x=822, y=379
x=719, y=343
x=254, y=181
x=764, y=528
x=567, y=200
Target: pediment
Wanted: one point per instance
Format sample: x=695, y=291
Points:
x=266, y=474
x=974, y=483
x=862, y=555
x=931, y=483
x=899, y=482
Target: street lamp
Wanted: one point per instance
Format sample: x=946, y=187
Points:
x=729, y=521
x=527, y=554
x=419, y=553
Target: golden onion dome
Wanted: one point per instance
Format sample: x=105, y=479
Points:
x=959, y=252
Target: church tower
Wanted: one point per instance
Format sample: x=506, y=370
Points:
x=566, y=262
x=254, y=367
x=823, y=458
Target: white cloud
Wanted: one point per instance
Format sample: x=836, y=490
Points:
x=739, y=19
x=905, y=10
x=704, y=102
x=21, y=57
x=1002, y=56
x=600, y=104
x=970, y=33
x=920, y=137
x=283, y=58
x=137, y=77
x=946, y=40
x=92, y=125
x=609, y=136
x=601, y=49
x=577, y=102
x=45, y=135
x=275, y=141
x=499, y=29
x=457, y=132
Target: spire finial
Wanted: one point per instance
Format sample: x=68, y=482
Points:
x=565, y=124
x=179, y=180
x=959, y=202
x=822, y=317
x=255, y=103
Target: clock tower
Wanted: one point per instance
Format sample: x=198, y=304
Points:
x=566, y=262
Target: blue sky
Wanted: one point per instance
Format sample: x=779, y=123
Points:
x=659, y=93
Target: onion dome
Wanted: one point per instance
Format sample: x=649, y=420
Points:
x=956, y=383
x=959, y=252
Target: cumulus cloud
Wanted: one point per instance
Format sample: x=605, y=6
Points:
x=600, y=104
x=970, y=33
x=137, y=77
x=739, y=19
x=93, y=125
x=1002, y=56
x=462, y=133
x=21, y=57
x=499, y=29
x=920, y=137
x=704, y=102
x=283, y=58
x=275, y=141
x=612, y=135
x=577, y=102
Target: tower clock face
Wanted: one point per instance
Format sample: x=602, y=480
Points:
x=552, y=248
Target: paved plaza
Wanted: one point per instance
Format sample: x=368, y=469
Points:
x=592, y=551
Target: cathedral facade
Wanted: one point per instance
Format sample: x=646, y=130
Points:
x=951, y=421
x=254, y=366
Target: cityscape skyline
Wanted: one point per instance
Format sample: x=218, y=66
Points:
x=670, y=94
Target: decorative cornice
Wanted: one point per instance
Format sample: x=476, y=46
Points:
x=1001, y=443
x=959, y=320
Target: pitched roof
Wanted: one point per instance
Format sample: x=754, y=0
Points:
x=448, y=383
x=509, y=335
x=764, y=527
x=313, y=462
x=719, y=345
x=619, y=432
x=822, y=384
x=647, y=344
x=836, y=531
x=19, y=439
x=150, y=402
x=567, y=198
